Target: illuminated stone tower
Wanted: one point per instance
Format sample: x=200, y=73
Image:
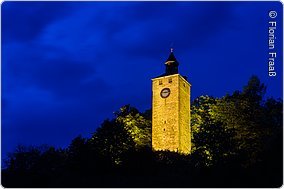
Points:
x=171, y=110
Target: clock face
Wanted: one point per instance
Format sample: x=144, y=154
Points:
x=165, y=92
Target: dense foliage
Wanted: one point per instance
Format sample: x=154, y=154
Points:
x=237, y=142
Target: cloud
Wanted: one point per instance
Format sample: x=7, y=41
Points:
x=23, y=21
x=59, y=74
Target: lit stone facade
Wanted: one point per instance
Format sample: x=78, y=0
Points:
x=171, y=114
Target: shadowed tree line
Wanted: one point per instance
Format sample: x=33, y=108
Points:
x=237, y=142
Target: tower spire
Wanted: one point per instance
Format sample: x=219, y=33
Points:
x=171, y=64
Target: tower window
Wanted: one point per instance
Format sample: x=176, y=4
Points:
x=164, y=129
x=170, y=80
x=160, y=82
x=184, y=84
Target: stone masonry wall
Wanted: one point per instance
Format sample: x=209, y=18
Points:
x=170, y=121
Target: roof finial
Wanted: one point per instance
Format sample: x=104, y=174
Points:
x=172, y=48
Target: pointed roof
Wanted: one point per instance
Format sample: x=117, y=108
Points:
x=171, y=65
x=171, y=58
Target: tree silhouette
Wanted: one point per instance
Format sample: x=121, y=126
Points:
x=136, y=125
x=111, y=140
x=245, y=113
x=212, y=141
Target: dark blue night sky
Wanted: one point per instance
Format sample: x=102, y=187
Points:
x=67, y=66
